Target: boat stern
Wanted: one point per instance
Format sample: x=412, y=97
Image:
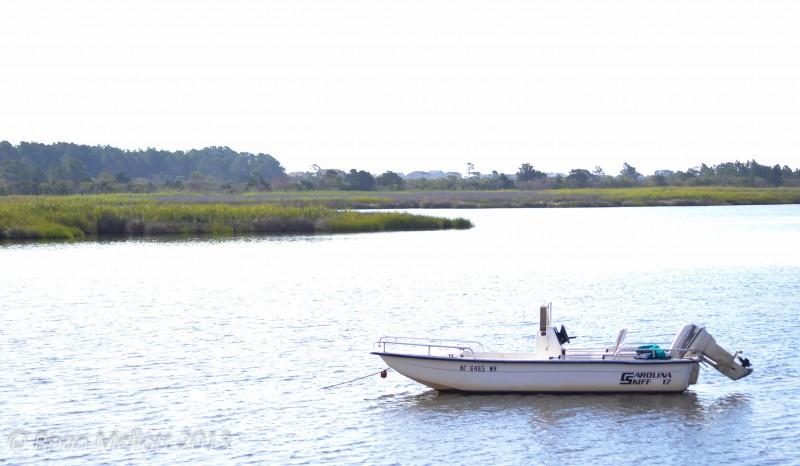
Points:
x=695, y=339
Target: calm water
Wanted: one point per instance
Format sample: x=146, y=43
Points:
x=217, y=350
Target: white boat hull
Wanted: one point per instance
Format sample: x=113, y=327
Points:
x=545, y=376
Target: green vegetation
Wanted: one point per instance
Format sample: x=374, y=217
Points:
x=587, y=197
x=73, y=217
x=216, y=190
x=349, y=222
x=66, y=168
x=686, y=196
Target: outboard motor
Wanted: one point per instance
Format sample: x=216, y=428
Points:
x=695, y=339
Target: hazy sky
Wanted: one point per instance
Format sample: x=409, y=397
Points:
x=411, y=85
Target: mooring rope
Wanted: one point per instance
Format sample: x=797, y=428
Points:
x=382, y=372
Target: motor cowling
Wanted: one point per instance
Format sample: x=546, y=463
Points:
x=693, y=339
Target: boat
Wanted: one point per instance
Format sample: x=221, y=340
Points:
x=464, y=366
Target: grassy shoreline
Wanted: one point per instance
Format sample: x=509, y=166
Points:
x=75, y=217
x=81, y=216
x=613, y=197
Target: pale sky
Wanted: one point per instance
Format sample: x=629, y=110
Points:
x=411, y=85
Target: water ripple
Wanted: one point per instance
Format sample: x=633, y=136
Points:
x=220, y=350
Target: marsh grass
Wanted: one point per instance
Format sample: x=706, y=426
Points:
x=711, y=195
x=73, y=217
x=349, y=222
x=585, y=197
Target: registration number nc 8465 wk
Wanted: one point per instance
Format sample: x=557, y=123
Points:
x=477, y=368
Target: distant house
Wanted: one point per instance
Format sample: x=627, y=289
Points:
x=664, y=173
x=321, y=172
x=431, y=175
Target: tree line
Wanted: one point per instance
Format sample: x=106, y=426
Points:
x=61, y=168
x=66, y=168
x=739, y=174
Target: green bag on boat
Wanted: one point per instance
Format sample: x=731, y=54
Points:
x=650, y=352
